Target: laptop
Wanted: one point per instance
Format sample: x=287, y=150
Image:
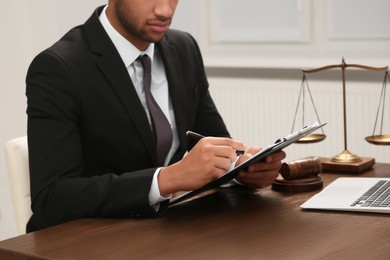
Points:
x=363, y=194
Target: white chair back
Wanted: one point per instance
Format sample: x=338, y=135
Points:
x=16, y=153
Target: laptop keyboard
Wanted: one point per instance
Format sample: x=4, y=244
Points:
x=377, y=196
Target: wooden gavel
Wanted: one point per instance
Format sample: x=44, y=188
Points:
x=302, y=168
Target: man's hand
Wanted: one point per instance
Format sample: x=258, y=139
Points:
x=209, y=159
x=260, y=174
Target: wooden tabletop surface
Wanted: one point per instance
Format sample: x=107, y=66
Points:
x=232, y=223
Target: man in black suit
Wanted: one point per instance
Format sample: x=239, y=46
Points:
x=92, y=147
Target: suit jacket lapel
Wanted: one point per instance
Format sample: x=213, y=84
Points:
x=112, y=67
x=176, y=88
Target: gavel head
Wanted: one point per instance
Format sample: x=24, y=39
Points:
x=302, y=168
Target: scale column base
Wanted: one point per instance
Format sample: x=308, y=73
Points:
x=346, y=157
x=364, y=164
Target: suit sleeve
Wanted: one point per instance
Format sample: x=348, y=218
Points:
x=60, y=189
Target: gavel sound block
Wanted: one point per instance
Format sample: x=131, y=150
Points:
x=299, y=176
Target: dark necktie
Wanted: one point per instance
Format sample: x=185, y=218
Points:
x=160, y=124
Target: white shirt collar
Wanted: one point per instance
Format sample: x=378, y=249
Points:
x=128, y=52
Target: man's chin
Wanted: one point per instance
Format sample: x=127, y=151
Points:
x=156, y=38
x=153, y=37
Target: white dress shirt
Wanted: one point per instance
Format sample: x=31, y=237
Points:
x=159, y=88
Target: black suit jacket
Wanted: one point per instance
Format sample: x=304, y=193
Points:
x=91, y=149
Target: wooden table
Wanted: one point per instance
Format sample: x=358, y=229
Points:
x=228, y=224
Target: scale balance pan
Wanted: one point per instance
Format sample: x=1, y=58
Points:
x=311, y=138
x=378, y=139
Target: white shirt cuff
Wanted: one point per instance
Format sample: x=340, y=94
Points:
x=154, y=194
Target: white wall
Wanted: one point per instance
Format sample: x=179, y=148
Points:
x=234, y=67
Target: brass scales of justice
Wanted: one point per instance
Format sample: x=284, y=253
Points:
x=346, y=161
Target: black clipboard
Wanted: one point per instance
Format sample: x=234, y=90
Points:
x=229, y=175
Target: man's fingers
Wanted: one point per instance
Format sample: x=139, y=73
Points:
x=224, y=141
